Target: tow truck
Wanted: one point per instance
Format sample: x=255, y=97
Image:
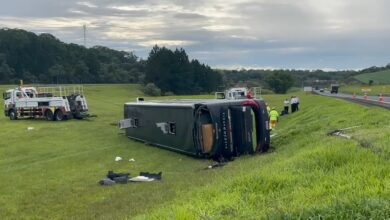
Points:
x=55, y=103
x=239, y=93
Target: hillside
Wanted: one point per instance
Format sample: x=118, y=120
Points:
x=381, y=77
x=52, y=171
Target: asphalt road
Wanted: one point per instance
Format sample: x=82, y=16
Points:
x=370, y=101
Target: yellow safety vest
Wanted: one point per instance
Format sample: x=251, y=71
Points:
x=273, y=115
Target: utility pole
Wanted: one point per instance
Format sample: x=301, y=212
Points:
x=85, y=35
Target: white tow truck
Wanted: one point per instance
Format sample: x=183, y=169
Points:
x=239, y=93
x=55, y=103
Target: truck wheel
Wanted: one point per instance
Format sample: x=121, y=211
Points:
x=49, y=115
x=12, y=115
x=58, y=115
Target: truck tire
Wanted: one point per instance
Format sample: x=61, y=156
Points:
x=58, y=115
x=12, y=115
x=49, y=115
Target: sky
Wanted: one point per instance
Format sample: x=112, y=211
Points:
x=299, y=34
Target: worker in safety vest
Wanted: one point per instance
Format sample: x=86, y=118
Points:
x=273, y=118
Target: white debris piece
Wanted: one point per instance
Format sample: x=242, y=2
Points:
x=141, y=179
x=131, y=160
x=30, y=128
x=118, y=158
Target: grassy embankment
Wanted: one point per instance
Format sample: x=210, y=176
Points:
x=380, y=77
x=52, y=171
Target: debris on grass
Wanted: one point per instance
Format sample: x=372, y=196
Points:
x=123, y=178
x=107, y=182
x=30, y=128
x=146, y=177
x=118, y=158
x=131, y=160
x=341, y=133
x=141, y=179
x=216, y=165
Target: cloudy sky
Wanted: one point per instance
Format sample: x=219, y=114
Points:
x=305, y=34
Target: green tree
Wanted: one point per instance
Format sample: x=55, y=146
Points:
x=280, y=82
x=151, y=90
x=172, y=71
x=6, y=73
x=55, y=74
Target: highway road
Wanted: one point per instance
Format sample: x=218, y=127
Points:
x=370, y=101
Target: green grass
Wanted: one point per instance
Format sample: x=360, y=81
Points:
x=52, y=171
x=381, y=77
x=308, y=175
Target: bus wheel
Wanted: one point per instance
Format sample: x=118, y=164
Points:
x=12, y=115
x=49, y=115
x=58, y=115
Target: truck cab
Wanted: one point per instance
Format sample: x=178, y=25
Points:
x=233, y=94
x=334, y=88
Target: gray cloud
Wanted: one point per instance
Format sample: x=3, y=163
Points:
x=222, y=33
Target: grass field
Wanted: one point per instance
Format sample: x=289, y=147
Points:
x=52, y=171
x=381, y=77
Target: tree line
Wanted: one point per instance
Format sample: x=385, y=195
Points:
x=45, y=59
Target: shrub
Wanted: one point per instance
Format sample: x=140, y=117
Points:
x=169, y=94
x=151, y=90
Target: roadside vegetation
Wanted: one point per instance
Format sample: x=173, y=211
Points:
x=51, y=171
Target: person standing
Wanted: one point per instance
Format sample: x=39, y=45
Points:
x=273, y=118
x=286, y=103
x=293, y=104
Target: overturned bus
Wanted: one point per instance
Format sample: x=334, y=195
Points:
x=214, y=129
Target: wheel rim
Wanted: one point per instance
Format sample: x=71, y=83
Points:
x=59, y=116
